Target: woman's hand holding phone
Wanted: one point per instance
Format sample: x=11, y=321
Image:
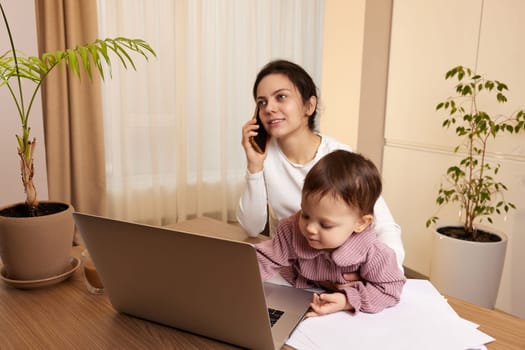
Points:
x=254, y=154
x=259, y=141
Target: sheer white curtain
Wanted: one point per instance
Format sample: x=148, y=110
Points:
x=173, y=127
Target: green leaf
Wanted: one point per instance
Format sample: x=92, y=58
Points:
x=431, y=221
x=501, y=86
x=452, y=72
x=73, y=62
x=83, y=52
x=467, y=90
x=501, y=98
x=461, y=74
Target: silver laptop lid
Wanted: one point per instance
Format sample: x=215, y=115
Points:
x=208, y=286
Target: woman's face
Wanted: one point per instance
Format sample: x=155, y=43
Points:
x=281, y=106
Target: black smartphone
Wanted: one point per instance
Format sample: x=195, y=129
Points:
x=259, y=141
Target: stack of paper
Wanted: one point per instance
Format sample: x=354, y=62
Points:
x=422, y=320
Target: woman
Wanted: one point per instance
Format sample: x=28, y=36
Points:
x=286, y=97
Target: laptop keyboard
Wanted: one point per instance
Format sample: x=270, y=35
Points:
x=274, y=315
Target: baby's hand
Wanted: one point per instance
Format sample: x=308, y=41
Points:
x=327, y=303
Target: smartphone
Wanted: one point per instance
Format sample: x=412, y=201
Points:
x=259, y=141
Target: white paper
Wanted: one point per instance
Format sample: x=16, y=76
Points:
x=422, y=320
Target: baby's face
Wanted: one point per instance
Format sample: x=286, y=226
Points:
x=327, y=221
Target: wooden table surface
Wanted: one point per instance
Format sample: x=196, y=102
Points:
x=66, y=316
x=509, y=331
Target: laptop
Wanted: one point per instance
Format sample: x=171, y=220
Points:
x=204, y=285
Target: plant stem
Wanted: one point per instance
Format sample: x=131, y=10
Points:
x=469, y=200
x=28, y=172
x=26, y=147
x=13, y=49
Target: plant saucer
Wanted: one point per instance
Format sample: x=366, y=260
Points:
x=31, y=284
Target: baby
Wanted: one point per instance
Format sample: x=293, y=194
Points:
x=332, y=235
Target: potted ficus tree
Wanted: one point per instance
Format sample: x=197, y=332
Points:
x=467, y=257
x=36, y=237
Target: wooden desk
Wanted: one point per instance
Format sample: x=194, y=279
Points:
x=66, y=316
x=509, y=331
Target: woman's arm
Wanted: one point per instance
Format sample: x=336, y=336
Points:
x=252, y=210
x=388, y=231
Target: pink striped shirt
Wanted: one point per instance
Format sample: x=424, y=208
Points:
x=303, y=266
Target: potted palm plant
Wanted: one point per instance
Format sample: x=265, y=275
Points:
x=467, y=257
x=32, y=246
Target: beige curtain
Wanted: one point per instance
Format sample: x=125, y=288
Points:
x=72, y=109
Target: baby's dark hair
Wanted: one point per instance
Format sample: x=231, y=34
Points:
x=297, y=75
x=346, y=175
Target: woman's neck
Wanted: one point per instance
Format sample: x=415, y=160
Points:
x=300, y=148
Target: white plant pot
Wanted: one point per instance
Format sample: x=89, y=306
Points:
x=468, y=270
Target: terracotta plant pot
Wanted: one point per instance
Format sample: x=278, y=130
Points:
x=38, y=247
x=468, y=270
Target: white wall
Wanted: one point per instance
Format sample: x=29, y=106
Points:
x=341, y=74
x=355, y=63
x=418, y=150
x=21, y=16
